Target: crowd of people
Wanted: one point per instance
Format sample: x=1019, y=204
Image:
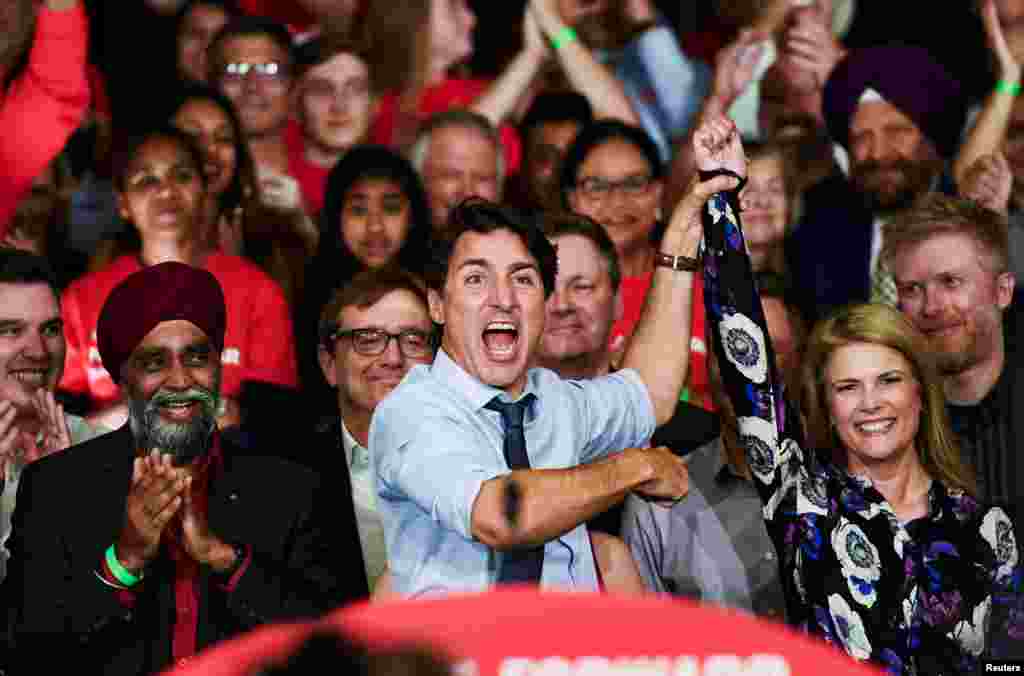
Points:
x=303, y=311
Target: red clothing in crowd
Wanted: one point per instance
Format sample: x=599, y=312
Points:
x=44, y=105
x=258, y=342
x=186, y=570
x=634, y=291
x=452, y=93
x=312, y=178
x=285, y=11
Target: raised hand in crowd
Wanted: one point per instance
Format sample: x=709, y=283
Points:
x=989, y=131
x=734, y=70
x=808, y=44
x=587, y=75
x=989, y=182
x=575, y=11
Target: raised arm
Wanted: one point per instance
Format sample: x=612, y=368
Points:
x=505, y=93
x=740, y=335
x=989, y=131
x=586, y=74
x=734, y=70
x=660, y=347
x=543, y=25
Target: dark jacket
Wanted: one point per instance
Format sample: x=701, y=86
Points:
x=71, y=508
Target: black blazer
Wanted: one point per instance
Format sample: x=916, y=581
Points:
x=71, y=508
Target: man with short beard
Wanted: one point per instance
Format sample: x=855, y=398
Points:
x=950, y=261
x=134, y=551
x=43, y=90
x=899, y=115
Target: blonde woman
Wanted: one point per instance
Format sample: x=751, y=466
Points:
x=884, y=551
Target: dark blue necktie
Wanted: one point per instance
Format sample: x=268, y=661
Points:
x=521, y=566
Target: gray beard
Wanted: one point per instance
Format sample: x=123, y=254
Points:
x=184, y=442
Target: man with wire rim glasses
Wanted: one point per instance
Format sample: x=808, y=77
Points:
x=371, y=333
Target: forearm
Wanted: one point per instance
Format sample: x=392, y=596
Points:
x=548, y=503
x=585, y=73
x=504, y=94
x=660, y=347
x=597, y=83
x=987, y=135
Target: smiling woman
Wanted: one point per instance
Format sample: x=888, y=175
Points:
x=161, y=190
x=375, y=213
x=884, y=548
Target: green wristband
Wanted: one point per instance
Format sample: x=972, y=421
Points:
x=563, y=37
x=117, y=569
x=1005, y=87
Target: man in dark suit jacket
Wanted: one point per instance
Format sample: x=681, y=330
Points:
x=126, y=559
x=899, y=125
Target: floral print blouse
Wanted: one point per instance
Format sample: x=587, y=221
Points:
x=931, y=596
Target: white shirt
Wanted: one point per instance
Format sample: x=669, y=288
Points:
x=364, y=497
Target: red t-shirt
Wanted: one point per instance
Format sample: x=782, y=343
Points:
x=452, y=93
x=312, y=178
x=43, y=107
x=634, y=291
x=258, y=341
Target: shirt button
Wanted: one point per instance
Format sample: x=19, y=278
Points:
x=183, y=661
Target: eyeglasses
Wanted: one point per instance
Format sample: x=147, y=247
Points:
x=271, y=72
x=597, y=188
x=372, y=342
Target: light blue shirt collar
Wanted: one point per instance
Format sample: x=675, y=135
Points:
x=477, y=393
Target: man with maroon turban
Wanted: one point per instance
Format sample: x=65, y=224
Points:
x=898, y=114
x=134, y=551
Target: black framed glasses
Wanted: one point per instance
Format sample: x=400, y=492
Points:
x=373, y=342
x=595, y=187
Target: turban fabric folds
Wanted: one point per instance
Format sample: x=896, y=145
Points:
x=155, y=294
x=907, y=78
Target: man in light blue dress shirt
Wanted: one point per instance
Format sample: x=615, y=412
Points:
x=442, y=478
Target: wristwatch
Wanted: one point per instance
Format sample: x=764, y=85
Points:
x=678, y=263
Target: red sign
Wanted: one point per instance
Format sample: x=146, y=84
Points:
x=521, y=632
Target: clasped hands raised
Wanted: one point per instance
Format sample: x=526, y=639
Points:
x=159, y=492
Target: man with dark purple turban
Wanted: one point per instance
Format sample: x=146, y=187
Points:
x=134, y=551
x=899, y=115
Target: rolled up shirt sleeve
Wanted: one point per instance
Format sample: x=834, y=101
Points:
x=436, y=463
x=618, y=413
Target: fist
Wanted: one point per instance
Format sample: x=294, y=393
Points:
x=988, y=182
x=670, y=480
x=717, y=145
